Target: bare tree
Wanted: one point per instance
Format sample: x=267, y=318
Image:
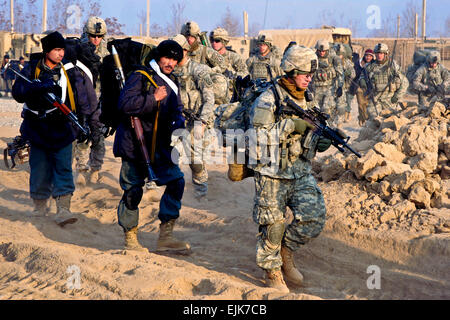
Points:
x=408, y=20
x=338, y=19
x=254, y=29
x=114, y=26
x=388, y=29
x=33, y=20
x=231, y=23
x=177, y=19
x=447, y=27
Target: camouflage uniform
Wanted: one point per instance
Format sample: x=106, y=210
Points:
x=197, y=95
x=283, y=183
x=428, y=81
x=328, y=77
x=385, y=95
x=343, y=103
x=93, y=158
x=257, y=64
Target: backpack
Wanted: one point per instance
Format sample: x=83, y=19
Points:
x=419, y=58
x=132, y=54
x=234, y=116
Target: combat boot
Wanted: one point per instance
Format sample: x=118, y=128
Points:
x=274, y=279
x=94, y=177
x=132, y=242
x=81, y=177
x=347, y=117
x=166, y=241
x=40, y=208
x=63, y=215
x=290, y=272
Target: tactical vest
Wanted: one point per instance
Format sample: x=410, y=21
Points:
x=325, y=73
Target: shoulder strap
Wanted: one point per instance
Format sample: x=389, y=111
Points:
x=148, y=76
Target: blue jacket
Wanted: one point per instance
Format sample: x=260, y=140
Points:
x=135, y=100
x=52, y=131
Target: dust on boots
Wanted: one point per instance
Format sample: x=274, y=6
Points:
x=168, y=243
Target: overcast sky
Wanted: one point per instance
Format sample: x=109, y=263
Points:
x=281, y=13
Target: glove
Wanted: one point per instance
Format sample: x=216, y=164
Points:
x=83, y=137
x=394, y=99
x=228, y=74
x=38, y=87
x=431, y=90
x=339, y=92
x=323, y=144
x=301, y=125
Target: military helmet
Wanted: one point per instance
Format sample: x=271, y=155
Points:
x=181, y=40
x=220, y=33
x=322, y=45
x=299, y=58
x=190, y=28
x=381, y=48
x=95, y=26
x=434, y=57
x=265, y=38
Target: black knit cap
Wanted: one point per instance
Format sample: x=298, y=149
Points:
x=52, y=41
x=169, y=49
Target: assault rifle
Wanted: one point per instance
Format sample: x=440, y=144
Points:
x=135, y=121
x=369, y=90
x=56, y=102
x=18, y=149
x=319, y=120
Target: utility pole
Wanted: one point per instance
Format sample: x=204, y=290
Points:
x=245, y=25
x=398, y=26
x=44, y=16
x=416, y=27
x=424, y=16
x=148, y=18
x=12, y=15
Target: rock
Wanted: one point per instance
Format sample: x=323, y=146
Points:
x=419, y=139
x=387, y=168
x=396, y=198
x=405, y=180
x=363, y=146
x=404, y=208
x=387, y=215
x=360, y=166
x=445, y=172
x=437, y=110
x=394, y=122
x=332, y=168
x=420, y=197
x=391, y=136
x=427, y=162
x=389, y=151
x=444, y=146
x=385, y=189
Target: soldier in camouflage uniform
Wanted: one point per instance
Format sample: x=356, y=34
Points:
x=234, y=64
x=389, y=84
x=91, y=159
x=286, y=181
x=197, y=95
x=344, y=102
x=266, y=55
x=432, y=79
x=328, y=81
x=199, y=52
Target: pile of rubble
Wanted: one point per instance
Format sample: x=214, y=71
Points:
x=404, y=168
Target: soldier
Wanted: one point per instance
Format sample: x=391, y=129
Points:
x=199, y=52
x=197, y=95
x=265, y=56
x=152, y=94
x=431, y=79
x=388, y=82
x=234, y=64
x=343, y=103
x=356, y=89
x=7, y=75
x=90, y=161
x=48, y=130
x=288, y=182
x=328, y=81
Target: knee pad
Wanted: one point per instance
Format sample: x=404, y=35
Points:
x=274, y=233
x=133, y=197
x=196, y=168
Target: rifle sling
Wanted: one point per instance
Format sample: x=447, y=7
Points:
x=155, y=126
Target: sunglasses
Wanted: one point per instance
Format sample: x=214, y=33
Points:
x=95, y=36
x=216, y=40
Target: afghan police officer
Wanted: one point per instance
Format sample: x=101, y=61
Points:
x=432, y=79
x=388, y=82
x=343, y=103
x=197, y=95
x=49, y=131
x=265, y=56
x=328, y=81
x=152, y=94
x=200, y=52
x=286, y=180
x=90, y=161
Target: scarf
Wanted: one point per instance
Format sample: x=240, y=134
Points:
x=171, y=84
x=291, y=88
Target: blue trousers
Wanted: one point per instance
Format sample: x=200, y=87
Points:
x=51, y=172
x=132, y=180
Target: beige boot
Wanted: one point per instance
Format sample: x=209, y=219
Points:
x=166, y=241
x=132, y=242
x=274, y=279
x=94, y=177
x=40, y=208
x=63, y=215
x=290, y=272
x=81, y=177
x=347, y=117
